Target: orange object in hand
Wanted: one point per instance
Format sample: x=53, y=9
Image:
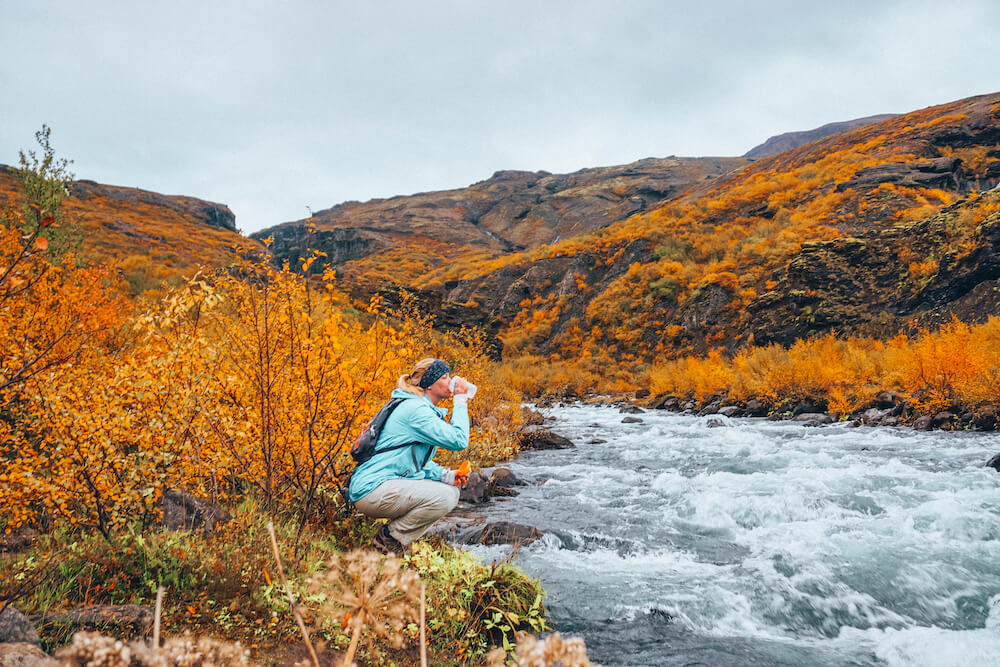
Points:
x=464, y=469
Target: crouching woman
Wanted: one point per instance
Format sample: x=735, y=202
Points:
x=403, y=483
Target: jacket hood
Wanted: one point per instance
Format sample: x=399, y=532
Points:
x=402, y=393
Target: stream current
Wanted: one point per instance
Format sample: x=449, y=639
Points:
x=713, y=541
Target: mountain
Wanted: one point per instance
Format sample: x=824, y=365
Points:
x=877, y=230
x=789, y=140
x=509, y=212
x=154, y=239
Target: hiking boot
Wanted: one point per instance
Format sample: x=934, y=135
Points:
x=387, y=544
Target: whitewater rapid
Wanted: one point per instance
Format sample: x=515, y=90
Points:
x=705, y=540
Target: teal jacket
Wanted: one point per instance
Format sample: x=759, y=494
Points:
x=414, y=420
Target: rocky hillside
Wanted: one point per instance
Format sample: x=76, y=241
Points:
x=789, y=140
x=153, y=238
x=509, y=212
x=872, y=231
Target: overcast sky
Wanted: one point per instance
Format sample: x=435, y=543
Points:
x=273, y=107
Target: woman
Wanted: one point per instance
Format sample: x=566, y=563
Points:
x=403, y=483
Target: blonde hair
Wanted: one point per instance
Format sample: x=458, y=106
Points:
x=411, y=381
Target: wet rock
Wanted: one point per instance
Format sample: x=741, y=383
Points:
x=689, y=405
x=505, y=478
x=631, y=410
x=501, y=532
x=994, y=463
x=23, y=654
x=631, y=420
x=641, y=393
x=755, y=408
x=731, y=411
x=925, y=423
x=885, y=400
x=184, y=511
x=663, y=402
x=477, y=489
x=943, y=420
x=817, y=417
x=596, y=441
x=985, y=418
x=806, y=407
x=545, y=439
x=710, y=409
x=889, y=420
x=714, y=422
x=873, y=415
x=15, y=627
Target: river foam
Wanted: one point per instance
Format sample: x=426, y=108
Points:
x=731, y=542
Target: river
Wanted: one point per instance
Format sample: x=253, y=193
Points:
x=688, y=540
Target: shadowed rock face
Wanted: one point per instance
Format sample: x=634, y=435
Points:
x=789, y=140
x=512, y=210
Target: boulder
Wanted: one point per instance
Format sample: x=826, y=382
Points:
x=884, y=400
x=943, y=420
x=476, y=489
x=501, y=532
x=15, y=627
x=641, y=393
x=184, y=511
x=23, y=654
x=503, y=477
x=596, y=441
x=925, y=423
x=985, y=418
x=994, y=463
x=631, y=410
x=731, y=411
x=631, y=420
x=714, y=422
x=755, y=408
x=545, y=439
x=663, y=402
x=873, y=415
x=709, y=409
x=817, y=417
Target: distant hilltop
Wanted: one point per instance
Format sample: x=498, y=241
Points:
x=789, y=140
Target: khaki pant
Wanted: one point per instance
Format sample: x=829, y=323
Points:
x=413, y=504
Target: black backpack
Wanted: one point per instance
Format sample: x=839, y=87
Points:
x=363, y=448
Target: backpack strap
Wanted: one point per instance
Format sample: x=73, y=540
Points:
x=413, y=452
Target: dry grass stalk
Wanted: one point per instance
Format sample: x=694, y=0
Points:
x=156, y=616
x=291, y=598
x=373, y=595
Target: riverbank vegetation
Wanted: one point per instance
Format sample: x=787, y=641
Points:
x=243, y=386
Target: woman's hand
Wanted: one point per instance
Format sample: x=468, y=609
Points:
x=461, y=386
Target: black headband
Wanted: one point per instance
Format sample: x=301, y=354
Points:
x=433, y=373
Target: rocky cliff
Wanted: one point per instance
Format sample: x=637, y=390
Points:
x=511, y=211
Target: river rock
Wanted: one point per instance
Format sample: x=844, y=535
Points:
x=994, y=463
x=885, y=400
x=545, y=439
x=943, y=420
x=631, y=420
x=477, y=489
x=631, y=410
x=873, y=415
x=663, y=402
x=23, y=654
x=501, y=532
x=596, y=441
x=925, y=423
x=15, y=627
x=714, y=422
x=731, y=411
x=817, y=417
x=755, y=408
x=184, y=511
x=503, y=477
x=642, y=393
x=985, y=418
